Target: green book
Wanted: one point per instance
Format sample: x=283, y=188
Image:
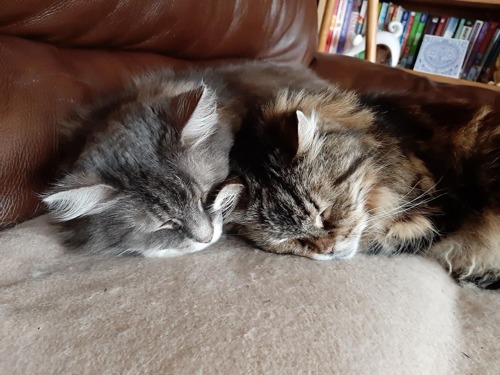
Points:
x=458, y=31
x=416, y=40
x=406, y=53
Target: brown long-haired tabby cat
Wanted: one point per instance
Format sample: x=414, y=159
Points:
x=329, y=174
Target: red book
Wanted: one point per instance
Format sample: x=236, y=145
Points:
x=441, y=26
x=332, y=25
x=477, y=57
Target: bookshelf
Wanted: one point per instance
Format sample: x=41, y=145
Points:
x=487, y=10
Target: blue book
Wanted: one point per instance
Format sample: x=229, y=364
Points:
x=345, y=26
x=451, y=26
x=404, y=22
x=382, y=15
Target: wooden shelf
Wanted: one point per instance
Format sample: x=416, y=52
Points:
x=486, y=10
x=455, y=81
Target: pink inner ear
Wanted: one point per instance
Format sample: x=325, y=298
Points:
x=183, y=106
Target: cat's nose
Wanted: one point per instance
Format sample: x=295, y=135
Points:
x=207, y=238
x=203, y=233
x=324, y=245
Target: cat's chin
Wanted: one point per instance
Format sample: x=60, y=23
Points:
x=188, y=248
x=332, y=256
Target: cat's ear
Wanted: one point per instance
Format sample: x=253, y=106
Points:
x=76, y=201
x=195, y=114
x=227, y=197
x=306, y=133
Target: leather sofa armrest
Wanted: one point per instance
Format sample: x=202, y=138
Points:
x=366, y=77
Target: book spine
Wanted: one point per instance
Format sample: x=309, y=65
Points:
x=388, y=16
x=338, y=26
x=431, y=25
x=382, y=14
x=416, y=41
x=472, y=41
x=483, y=40
x=398, y=14
x=345, y=26
x=441, y=26
x=361, y=18
x=451, y=26
x=466, y=30
x=333, y=20
x=458, y=31
x=489, y=66
x=490, y=47
x=409, y=41
x=405, y=18
x=325, y=29
x=352, y=25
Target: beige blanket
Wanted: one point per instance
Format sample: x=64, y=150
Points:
x=235, y=310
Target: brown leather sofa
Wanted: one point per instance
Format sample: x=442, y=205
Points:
x=230, y=309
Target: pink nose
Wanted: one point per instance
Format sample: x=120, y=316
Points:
x=207, y=238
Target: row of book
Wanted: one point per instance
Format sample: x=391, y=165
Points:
x=348, y=20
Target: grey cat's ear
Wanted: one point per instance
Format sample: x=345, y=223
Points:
x=227, y=198
x=79, y=201
x=306, y=133
x=196, y=114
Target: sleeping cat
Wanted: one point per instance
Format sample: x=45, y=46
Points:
x=153, y=152
x=139, y=182
x=328, y=174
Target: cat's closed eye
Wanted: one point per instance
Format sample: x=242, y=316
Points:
x=171, y=224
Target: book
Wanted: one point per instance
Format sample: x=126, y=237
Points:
x=441, y=26
x=466, y=30
x=351, y=26
x=381, y=15
x=342, y=4
x=398, y=14
x=485, y=30
x=405, y=18
x=476, y=29
x=325, y=28
x=451, y=26
x=416, y=40
x=487, y=53
x=439, y=55
x=345, y=26
x=460, y=26
x=409, y=41
x=388, y=16
x=361, y=17
x=333, y=20
x=482, y=50
x=431, y=25
x=489, y=65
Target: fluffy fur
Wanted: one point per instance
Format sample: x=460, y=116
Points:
x=328, y=174
x=144, y=163
x=139, y=165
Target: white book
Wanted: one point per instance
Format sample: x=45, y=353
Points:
x=442, y=56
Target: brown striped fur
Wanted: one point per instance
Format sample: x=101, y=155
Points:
x=381, y=174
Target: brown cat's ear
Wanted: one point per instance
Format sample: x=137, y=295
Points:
x=195, y=114
x=294, y=134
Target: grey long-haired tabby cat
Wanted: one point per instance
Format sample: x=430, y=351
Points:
x=140, y=181
x=328, y=175
x=153, y=152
